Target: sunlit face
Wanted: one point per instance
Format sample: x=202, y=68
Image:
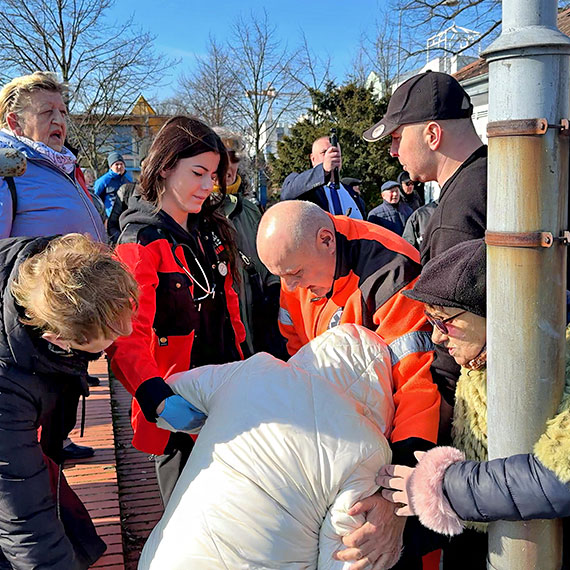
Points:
x=309, y=268
x=392, y=196
x=118, y=167
x=466, y=334
x=318, y=151
x=409, y=147
x=188, y=184
x=44, y=119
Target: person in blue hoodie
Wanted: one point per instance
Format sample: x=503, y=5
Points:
x=107, y=185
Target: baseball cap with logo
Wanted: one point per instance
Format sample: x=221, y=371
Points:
x=428, y=96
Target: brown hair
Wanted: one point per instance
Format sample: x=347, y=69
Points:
x=183, y=137
x=75, y=289
x=14, y=95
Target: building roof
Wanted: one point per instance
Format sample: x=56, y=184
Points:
x=480, y=67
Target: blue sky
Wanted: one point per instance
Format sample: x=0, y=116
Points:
x=182, y=28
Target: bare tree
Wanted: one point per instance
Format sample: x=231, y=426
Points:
x=378, y=53
x=311, y=71
x=265, y=74
x=210, y=91
x=105, y=65
x=426, y=18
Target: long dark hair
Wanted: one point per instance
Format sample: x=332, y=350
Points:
x=183, y=137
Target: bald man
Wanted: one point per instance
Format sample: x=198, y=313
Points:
x=335, y=270
x=314, y=185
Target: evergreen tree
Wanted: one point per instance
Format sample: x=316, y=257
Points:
x=351, y=110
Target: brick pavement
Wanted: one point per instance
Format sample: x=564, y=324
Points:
x=117, y=485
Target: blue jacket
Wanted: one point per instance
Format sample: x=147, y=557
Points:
x=517, y=488
x=391, y=217
x=49, y=201
x=106, y=188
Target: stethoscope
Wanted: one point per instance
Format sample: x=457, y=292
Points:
x=208, y=289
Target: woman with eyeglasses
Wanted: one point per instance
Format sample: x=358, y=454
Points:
x=451, y=485
x=182, y=252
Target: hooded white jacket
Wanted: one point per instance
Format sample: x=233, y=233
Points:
x=287, y=449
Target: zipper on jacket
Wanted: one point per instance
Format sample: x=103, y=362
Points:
x=77, y=186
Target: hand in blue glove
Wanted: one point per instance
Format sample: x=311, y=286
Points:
x=181, y=414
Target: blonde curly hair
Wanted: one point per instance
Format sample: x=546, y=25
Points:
x=75, y=289
x=14, y=96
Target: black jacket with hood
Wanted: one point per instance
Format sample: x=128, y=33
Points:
x=39, y=528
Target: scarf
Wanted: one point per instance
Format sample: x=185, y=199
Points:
x=231, y=188
x=64, y=160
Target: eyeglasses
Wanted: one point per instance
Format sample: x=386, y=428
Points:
x=409, y=183
x=440, y=324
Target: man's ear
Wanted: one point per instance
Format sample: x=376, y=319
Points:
x=54, y=339
x=433, y=135
x=14, y=123
x=326, y=241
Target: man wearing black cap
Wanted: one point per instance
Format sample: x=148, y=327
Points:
x=429, y=119
x=408, y=192
x=107, y=185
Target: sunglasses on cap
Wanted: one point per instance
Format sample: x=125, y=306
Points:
x=440, y=324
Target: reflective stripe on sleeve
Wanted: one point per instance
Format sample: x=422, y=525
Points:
x=410, y=343
x=285, y=317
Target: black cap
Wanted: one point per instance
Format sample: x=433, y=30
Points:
x=403, y=177
x=348, y=181
x=455, y=278
x=425, y=97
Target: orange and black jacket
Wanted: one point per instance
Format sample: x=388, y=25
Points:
x=373, y=267
x=188, y=311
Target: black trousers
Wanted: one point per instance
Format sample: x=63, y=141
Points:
x=56, y=428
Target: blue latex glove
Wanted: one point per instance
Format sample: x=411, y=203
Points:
x=181, y=414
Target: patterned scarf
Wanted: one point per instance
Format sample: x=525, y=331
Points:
x=64, y=160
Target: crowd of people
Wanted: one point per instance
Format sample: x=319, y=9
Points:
x=310, y=381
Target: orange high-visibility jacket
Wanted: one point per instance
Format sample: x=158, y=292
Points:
x=373, y=266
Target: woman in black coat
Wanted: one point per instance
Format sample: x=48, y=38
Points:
x=64, y=300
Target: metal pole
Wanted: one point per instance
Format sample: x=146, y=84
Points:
x=527, y=180
x=399, y=43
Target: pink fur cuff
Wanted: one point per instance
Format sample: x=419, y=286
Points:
x=425, y=491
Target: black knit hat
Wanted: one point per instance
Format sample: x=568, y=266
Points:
x=455, y=278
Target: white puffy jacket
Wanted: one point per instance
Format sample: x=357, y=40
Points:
x=287, y=449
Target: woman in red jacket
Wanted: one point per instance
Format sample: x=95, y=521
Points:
x=182, y=252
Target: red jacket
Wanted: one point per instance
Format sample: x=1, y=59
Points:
x=373, y=266
x=168, y=321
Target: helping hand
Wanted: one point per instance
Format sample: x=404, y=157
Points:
x=377, y=544
x=394, y=482
x=181, y=414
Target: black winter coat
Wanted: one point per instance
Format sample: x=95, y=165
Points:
x=35, y=533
